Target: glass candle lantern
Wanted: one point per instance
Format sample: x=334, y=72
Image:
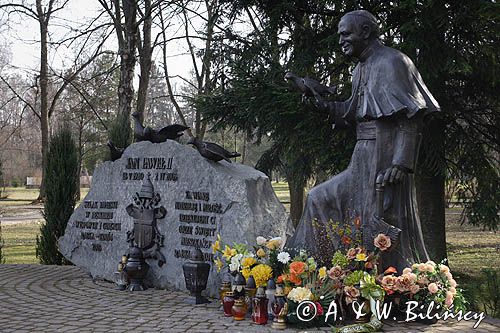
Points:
x=225, y=287
x=259, y=306
x=279, y=301
x=270, y=291
x=227, y=304
x=239, y=309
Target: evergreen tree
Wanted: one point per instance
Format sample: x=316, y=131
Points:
x=62, y=169
x=452, y=43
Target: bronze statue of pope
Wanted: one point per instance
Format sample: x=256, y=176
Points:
x=388, y=104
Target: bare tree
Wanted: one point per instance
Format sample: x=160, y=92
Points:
x=201, y=54
x=130, y=18
x=43, y=13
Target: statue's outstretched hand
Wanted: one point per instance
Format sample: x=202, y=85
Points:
x=394, y=174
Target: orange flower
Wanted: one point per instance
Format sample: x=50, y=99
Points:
x=390, y=270
x=346, y=240
x=281, y=278
x=295, y=279
x=357, y=222
x=297, y=267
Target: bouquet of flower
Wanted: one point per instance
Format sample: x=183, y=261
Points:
x=305, y=282
x=239, y=258
x=426, y=283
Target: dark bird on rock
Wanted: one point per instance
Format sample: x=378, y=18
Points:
x=114, y=151
x=170, y=132
x=212, y=151
x=308, y=86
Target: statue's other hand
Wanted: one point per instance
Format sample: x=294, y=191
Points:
x=394, y=174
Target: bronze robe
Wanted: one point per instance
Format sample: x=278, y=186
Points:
x=388, y=101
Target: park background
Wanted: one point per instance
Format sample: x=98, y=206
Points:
x=218, y=66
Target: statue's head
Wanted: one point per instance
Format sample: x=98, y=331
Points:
x=357, y=29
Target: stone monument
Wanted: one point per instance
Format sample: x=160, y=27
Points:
x=180, y=201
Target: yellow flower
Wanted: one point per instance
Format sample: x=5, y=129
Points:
x=261, y=253
x=228, y=252
x=261, y=273
x=218, y=264
x=247, y=262
x=322, y=272
x=274, y=243
x=360, y=257
x=216, y=245
x=246, y=272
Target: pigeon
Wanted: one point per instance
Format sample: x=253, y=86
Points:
x=308, y=86
x=316, y=87
x=115, y=152
x=298, y=83
x=212, y=151
x=170, y=132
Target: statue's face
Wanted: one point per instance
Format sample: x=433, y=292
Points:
x=351, y=38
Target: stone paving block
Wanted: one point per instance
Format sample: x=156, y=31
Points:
x=63, y=299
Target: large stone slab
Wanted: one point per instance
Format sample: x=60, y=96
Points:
x=202, y=199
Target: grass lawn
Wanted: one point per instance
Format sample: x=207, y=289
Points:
x=20, y=242
x=20, y=239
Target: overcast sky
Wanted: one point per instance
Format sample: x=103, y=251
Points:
x=22, y=38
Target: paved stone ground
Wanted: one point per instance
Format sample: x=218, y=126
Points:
x=36, y=298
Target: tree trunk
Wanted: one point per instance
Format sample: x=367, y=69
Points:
x=430, y=192
x=127, y=68
x=43, y=20
x=296, y=186
x=145, y=51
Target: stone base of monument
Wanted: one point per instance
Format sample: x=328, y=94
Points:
x=186, y=203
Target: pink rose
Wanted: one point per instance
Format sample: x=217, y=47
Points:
x=405, y=282
x=429, y=268
x=388, y=282
x=335, y=273
x=432, y=263
x=383, y=242
x=352, y=252
x=433, y=288
x=351, y=294
x=452, y=290
x=448, y=276
x=422, y=280
x=407, y=270
x=449, y=299
x=422, y=267
x=453, y=283
x=414, y=289
x=444, y=269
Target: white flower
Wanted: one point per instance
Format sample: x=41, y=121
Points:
x=261, y=240
x=300, y=294
x=233, y=267
x=236, y=258
x=284, y=257
x=235, y=262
